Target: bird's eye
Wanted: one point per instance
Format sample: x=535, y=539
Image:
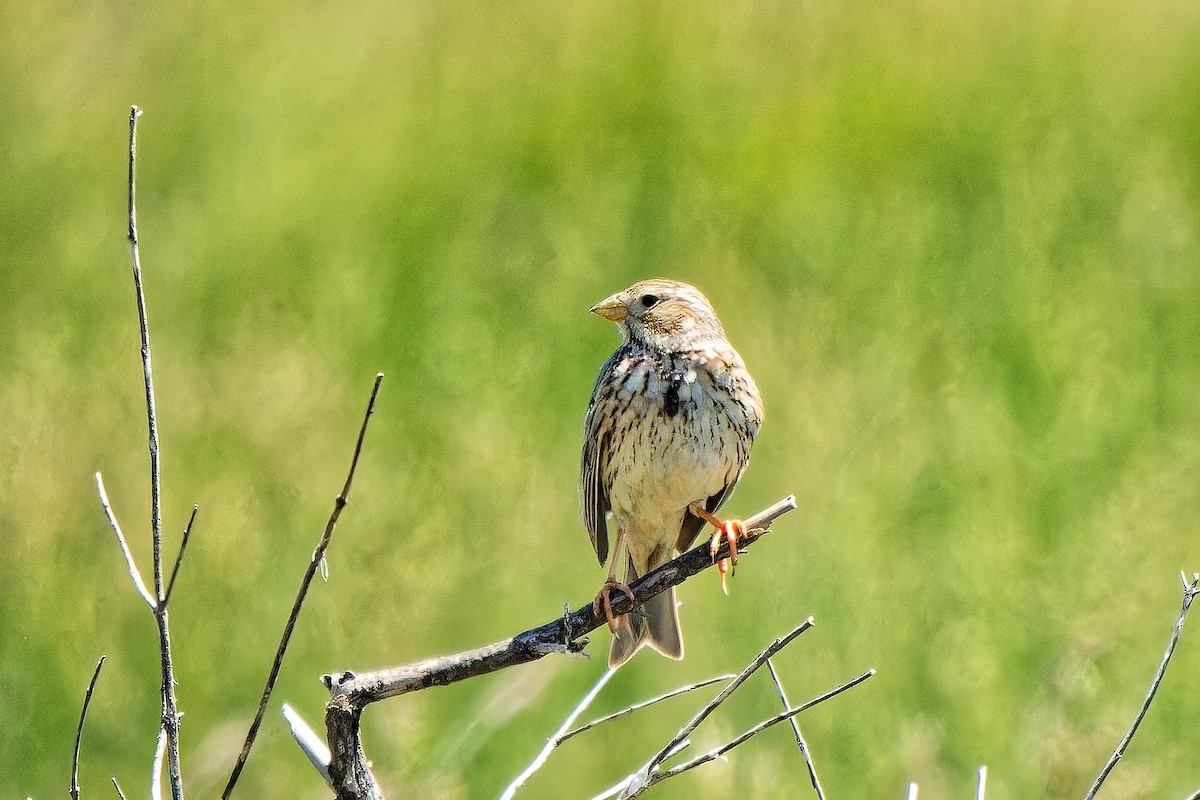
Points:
x=650, y=300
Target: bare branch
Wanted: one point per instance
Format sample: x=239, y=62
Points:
x=1190, y=589
x=160, y=749
x=803, y=745
x=350, y=693
x=349, y=770
x=138, y=583
x=747, y=735
x=187, y=533
x=147, y=371
x=170, y=709
x=117, y=786
x=318, y=556
x=308, y=740
x=559, y=736
x=558, y=635
x=644, y=704
x=686, y=731
x=87, y=699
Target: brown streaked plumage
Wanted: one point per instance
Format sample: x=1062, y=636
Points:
x=668, y=434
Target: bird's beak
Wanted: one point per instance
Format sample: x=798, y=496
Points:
x=611, y=309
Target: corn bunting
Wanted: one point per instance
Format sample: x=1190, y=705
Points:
x=667, y=436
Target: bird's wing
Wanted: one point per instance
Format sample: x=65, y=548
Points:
x=597, y=434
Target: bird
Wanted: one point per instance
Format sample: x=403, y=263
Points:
x=667, y=437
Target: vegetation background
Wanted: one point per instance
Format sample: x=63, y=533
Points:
x=958, y=245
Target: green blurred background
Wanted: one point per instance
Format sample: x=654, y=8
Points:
x=958, y=245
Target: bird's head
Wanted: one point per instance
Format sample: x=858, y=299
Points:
x=664, y=314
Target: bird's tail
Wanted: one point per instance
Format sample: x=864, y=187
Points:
x=656, y=624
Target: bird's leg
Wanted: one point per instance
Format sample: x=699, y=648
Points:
x=730, y=530
x=603, y=602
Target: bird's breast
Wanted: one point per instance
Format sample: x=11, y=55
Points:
x=680, y=438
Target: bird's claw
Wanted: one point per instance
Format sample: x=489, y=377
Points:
x=730, y=530
x=603, y=606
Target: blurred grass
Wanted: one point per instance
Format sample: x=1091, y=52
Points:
x=957, y=244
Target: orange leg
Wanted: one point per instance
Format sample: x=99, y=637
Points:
x=730, y=530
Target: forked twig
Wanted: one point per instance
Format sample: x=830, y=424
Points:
x=803, y=745
x=1190, y=590
x=716, y=753
x=170, y=708
x=563, y=734
x=686, y=731
x=87, y=699
x=317, y=557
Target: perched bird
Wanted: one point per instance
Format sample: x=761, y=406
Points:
x=668, y=434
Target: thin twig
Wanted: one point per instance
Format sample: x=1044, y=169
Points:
x=313, y=746
x=1190, y=589
x=981, y=786
x=87, y=699
x=640, y=779
x=803, y=745
x=170, y=710
x=147, y=371
x=315, y=562
x=686, y=731
x=644, y=704
x=712, y=755
x=559, y=736
x=187, y=532
x=117, y=786
x=134, y=574
x=160, y=749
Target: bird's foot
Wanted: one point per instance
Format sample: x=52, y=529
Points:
x=602, y=605
x=729, y=530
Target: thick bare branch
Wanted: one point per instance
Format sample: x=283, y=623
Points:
x=559, y=635
x=349, y=769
